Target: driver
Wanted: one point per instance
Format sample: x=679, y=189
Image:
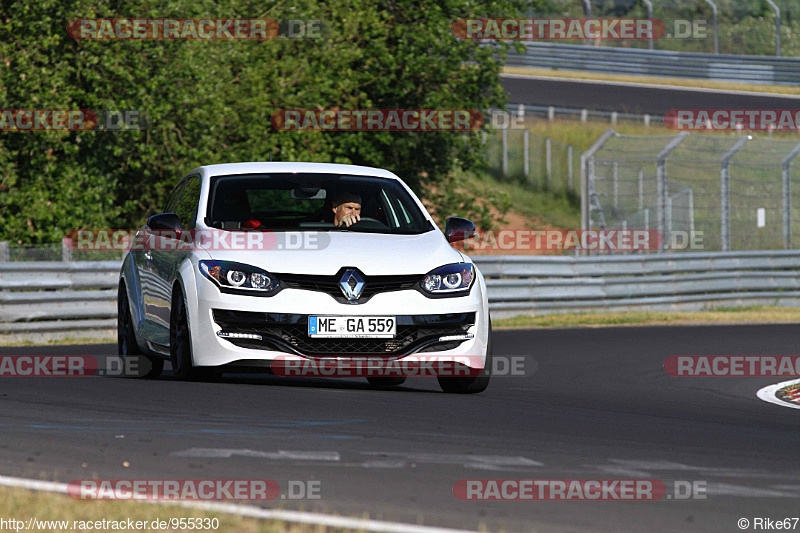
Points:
x=346, y=209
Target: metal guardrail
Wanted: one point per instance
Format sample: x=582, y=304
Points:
x=691, y=281
x=74, y=297
x=659, y=63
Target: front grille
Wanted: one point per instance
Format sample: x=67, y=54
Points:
x=330, y=284
x=289, y=333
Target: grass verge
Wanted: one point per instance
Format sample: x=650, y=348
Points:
x=719, y=315
x=22, y=504
x=678, y=82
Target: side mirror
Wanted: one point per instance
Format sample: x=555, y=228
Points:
x=165, y=222
x=458, y=229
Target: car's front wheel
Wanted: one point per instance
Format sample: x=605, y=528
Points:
x=471, y=384
x=180, y=341
x=134, y=361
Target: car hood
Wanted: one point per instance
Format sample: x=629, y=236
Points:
x=326, y=252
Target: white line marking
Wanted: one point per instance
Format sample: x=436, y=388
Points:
x=252, y=511
x=484, y=462
x=768, y=393
x=291, y=455
x=650, y=86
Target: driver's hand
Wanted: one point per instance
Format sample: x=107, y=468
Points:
x=349, y=220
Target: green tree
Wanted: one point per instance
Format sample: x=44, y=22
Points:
x=211, y=101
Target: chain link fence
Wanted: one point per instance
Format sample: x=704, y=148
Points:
x=729, y=192
x=534, y=160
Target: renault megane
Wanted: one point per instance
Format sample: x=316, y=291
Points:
x=259, y=261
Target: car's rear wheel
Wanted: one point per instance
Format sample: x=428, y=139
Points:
x=134, y=361
x=386, y=382
x=471, y=384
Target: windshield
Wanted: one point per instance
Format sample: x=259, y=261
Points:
x=306, y=202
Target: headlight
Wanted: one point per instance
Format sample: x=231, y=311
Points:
x=450, y=279
x=238, y=278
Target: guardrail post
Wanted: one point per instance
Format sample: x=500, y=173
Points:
x=725, y=192
x=584, y=115
x=613, y=118
x=526, y=153
x=777, y=27
x=787, y=196
x=548, y=160
x=551, y=113
x=66, y=249
x=5, y=252
x=569, y=168
x=662, y=188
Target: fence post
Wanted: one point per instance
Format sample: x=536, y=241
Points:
x=548, y=160
x=649, y=5
x=668, y=216
x=505, y=151
x=66, y=249
x=569, y=168
x=641, y=189
x=715, y=22
x=787, y=196
x=661, y=186
x=584, y=115
x=5, y=252
x=777, y=27
x=551, y=113
x=613, y=118
x=586, y=159
x=526, y=153
x=615, y=175
x=725, y=192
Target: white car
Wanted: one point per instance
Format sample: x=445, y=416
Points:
x=249, y=266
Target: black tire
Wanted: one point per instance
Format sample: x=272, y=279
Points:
x=386, y=382
x=132, y=357
x=180, y=339
x=471, y=384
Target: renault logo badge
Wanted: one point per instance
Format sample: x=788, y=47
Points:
x=351, y=284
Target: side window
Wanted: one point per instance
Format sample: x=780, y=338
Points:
x=186, y=208
x=173, y=197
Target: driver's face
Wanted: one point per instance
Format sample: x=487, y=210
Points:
x=347, y=208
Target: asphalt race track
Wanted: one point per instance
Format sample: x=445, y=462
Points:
x=632, y=98
x=599, y=405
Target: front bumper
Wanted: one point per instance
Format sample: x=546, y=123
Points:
x=282, y=321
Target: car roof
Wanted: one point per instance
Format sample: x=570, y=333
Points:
x=284, y=167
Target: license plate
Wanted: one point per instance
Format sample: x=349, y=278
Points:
x=352, y=327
